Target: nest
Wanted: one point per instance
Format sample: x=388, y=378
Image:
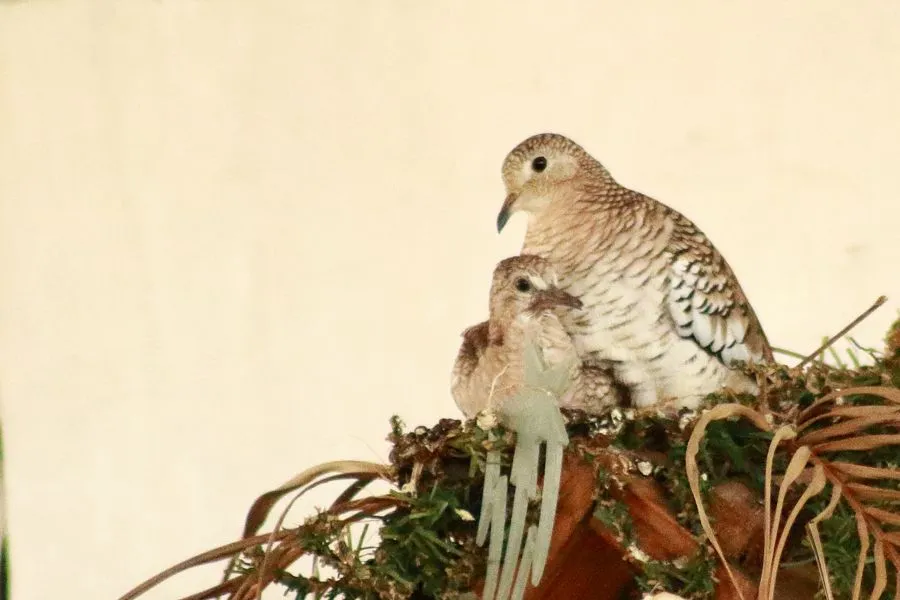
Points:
x=794, y=493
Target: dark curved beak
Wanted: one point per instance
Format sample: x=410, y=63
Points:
x=505, y=211
x=553, y=297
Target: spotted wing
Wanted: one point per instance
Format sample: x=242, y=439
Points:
x=706, y=301
x=474, y=343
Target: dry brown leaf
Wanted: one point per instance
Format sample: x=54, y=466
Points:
x=209, y=556
x=862, y=531
x=850, y=427
x=890, y=394
x=657, y=530
x=268, y=554
x=813, y=530
x=861, y=443
x=774, y=542
x=738, y=516
x=880, y=571
x=350, y=468
x=721, y=411
x=797, y=582
x=784, y=432
x=863, y=472
x=851, y=412
x=814, y=488
x=885, y=516
x=738, y=587
x=868, y=492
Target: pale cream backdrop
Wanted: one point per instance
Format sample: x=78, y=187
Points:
x=237, y=235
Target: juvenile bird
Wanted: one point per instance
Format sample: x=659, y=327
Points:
x=489, y=365
x=658, y=296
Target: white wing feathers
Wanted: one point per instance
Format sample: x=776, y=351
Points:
x=702, y=306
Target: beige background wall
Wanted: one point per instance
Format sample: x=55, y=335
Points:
x=236, y=236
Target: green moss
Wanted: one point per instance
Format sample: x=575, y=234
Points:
x=421, y=542
x=691, y=578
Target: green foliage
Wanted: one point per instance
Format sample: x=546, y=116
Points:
x=418, y=543
x=420, y=552
x=842, y=548
x=691, y=578
x=615, y=516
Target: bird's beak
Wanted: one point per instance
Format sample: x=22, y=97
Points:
x=505, y=211
x=553, y=297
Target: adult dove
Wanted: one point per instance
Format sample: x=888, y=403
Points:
x=658, y=297
x=489, y=364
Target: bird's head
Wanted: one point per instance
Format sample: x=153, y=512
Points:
x=526, y=285
x=538, y=167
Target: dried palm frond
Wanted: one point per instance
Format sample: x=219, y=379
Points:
x=834, y=431
x=847, y=439
x=284, y=547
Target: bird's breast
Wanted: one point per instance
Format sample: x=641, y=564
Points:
x=555, y=343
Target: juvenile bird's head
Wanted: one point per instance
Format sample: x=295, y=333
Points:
x=526, y=284
x=537, y=168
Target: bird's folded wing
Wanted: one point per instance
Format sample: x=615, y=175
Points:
x=463, y=385
x=475, y=340
x=597, y=389
x=706, y=301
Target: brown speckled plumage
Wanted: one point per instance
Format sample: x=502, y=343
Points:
x=488, y=367
x=657, y=294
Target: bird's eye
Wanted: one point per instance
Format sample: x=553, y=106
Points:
x=539, y=164
x=523, y=285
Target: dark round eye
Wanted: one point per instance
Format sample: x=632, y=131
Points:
x=523, y=285
x=539, y=164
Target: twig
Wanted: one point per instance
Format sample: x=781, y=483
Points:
x=213, y=555
x=881, y=300
x=787, y=352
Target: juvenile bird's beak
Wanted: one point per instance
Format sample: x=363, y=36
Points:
x=505, y=211
x=553, y=297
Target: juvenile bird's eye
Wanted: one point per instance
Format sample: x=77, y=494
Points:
x=539, y=164
x=523, y=285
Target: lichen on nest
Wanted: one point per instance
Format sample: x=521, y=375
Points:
x=797, y=488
